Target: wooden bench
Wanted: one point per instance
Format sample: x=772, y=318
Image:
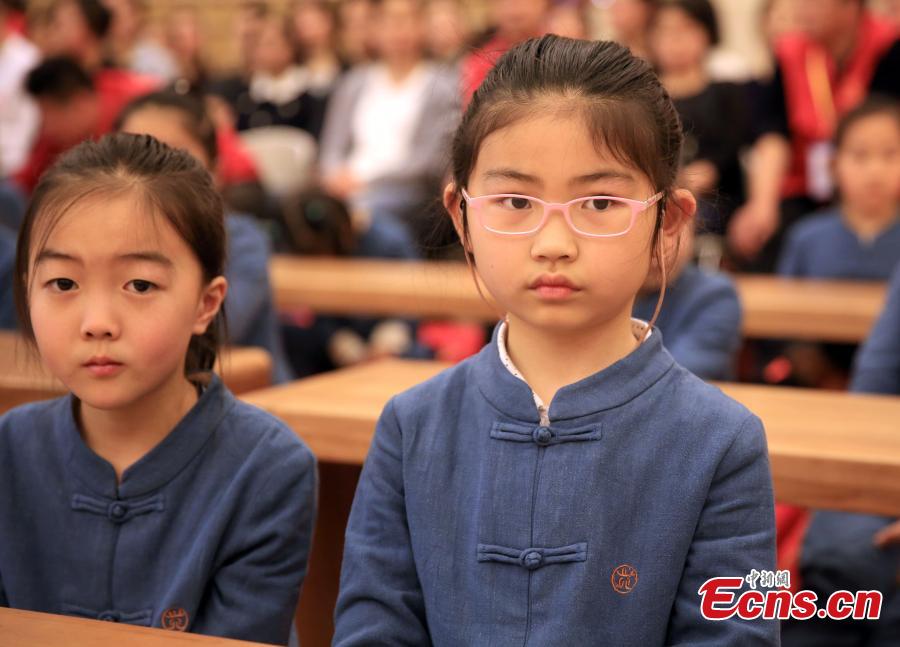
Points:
x=30, y=629
x=774, y=307
x=828, y=450
x=24, y=379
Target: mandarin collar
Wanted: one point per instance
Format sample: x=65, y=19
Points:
x=158, y=466
x=612, y=387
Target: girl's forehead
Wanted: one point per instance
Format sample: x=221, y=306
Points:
x=100, y=226
x=552, y=147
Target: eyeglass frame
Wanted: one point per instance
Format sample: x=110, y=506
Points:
x=637, y=206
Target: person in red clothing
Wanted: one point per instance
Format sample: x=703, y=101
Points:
x=80, y=96
x=842, y=54
x=74, y=107
x=514, y=21
x=14, y=18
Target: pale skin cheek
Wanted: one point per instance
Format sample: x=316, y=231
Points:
x=50, y=326
x=497, y=269
x=165, y=337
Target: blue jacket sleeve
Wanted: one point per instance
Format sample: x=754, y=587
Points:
x=790, y=259
x=707, y=346
x=247, y=272
x=7, y=272
x=254, y=591
x=381, y=600
x=735, y=534
x=877, y=364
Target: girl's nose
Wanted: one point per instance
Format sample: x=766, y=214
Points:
x=555, y=240
x=100, y=321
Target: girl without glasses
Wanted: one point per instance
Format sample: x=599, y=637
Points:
x=149, y=495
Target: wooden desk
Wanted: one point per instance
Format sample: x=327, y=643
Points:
x=335, y=413
x=24, y=379
x=836, y=311
x=828, y=449
x=245, y=368
x=30, y=629
x=378, y=287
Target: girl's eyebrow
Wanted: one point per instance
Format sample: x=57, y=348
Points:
x=603, y=174
x=48, y=254
x=152, y=257
x=146, y=256
x=510, y=174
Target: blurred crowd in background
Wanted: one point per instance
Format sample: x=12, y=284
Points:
x=333, y=131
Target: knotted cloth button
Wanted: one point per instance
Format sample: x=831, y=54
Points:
x=542, y=436
x=532, y=559
x=117, y=511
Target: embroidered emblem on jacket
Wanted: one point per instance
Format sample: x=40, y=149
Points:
x=175, y=619
x=624, y=578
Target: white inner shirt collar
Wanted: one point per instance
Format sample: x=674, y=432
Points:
x=637, y=328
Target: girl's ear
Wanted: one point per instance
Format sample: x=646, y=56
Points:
x=211, y=300
x=681, y=207
x=452, y=202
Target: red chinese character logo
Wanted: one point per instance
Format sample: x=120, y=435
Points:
x=624, y=578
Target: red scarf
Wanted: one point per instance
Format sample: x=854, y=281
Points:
x=817, y=94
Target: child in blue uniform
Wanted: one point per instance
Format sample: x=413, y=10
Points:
x=571, y=484
x=858, y=552
x=149, y=495
x=859, y=238
x=181, y=121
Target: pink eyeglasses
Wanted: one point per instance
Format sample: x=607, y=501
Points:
x=598, y=216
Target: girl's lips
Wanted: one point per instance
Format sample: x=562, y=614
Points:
x=103, y=367
x=551, y=279
x=552, y=292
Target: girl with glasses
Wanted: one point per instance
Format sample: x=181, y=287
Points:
x=571, y=484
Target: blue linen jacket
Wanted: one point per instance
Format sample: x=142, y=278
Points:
x=209, y=532
x=475, y=525
x=877, y=364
